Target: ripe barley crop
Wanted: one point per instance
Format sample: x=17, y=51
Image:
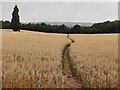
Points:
x=32, y=59
x=0, y=59
x=96, y=57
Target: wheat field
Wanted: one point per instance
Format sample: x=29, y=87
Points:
x=32, y=59
x=96, y=57
x=0, y=59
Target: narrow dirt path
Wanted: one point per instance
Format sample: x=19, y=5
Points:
x=72, y=80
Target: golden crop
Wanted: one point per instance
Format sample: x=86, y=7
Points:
x=32, y=59
x=0, y=59
x=96, y=56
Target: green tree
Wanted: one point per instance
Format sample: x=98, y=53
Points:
x=15, y=22
x=76, y=29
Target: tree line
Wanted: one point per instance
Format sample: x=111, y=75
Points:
x=105, y=27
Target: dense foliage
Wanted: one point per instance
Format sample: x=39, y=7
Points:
x=15, y=22
x=108, y=27
x=105, y=27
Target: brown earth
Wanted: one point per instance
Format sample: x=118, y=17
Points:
x=73, y=81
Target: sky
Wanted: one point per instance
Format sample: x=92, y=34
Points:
x=62, y=11
x=119, y=10
x=60, y=0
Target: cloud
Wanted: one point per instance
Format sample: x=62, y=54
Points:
x=62, y=11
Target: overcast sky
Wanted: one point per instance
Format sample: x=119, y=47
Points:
x=62, y=11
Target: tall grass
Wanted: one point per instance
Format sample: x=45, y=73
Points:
x=32, y=59
x=96, y=57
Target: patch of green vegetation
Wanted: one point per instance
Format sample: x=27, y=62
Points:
x=62, y=56
x=73, y=65
x=96, y=28
x=71, y=40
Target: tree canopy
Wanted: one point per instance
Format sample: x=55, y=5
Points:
x=105, y=27
x=15, y=22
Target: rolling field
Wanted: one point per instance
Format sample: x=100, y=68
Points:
x=32, y=59
x=96, y=57
x=0, y=59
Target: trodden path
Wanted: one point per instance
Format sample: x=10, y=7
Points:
x=73, y=81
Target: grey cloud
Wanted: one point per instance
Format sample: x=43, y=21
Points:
x=62, y=11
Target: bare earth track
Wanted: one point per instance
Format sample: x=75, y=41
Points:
x=73, y=80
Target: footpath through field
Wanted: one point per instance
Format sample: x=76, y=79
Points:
x=72, y=80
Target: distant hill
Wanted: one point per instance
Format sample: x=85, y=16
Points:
x=68, y=24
